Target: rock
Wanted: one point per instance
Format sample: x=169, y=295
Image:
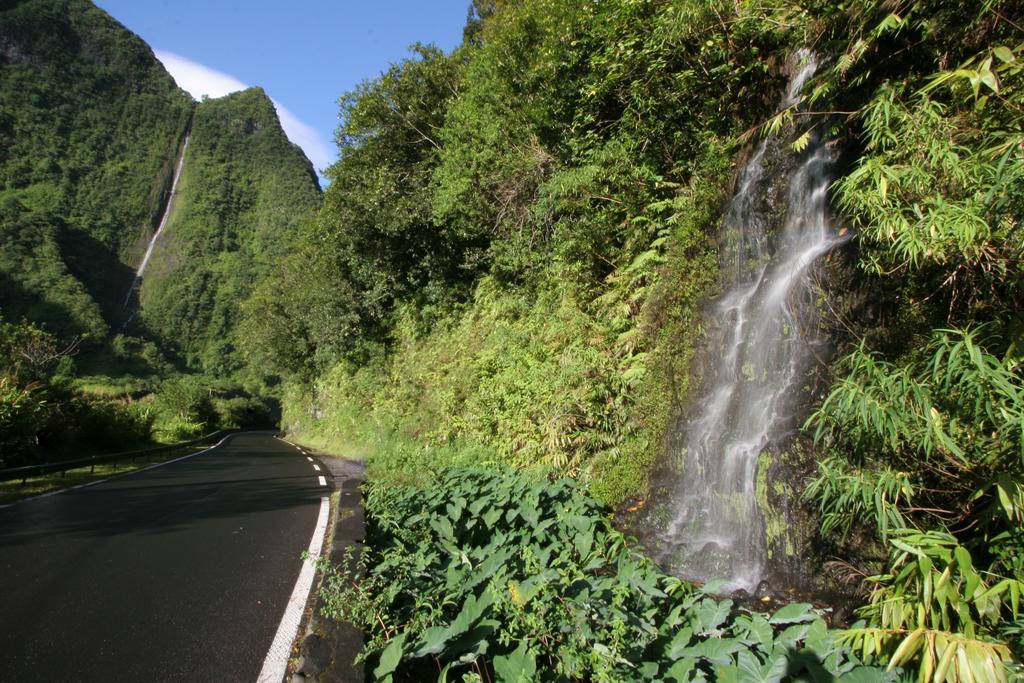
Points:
x=316, y=655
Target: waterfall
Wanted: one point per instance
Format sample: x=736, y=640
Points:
x=179, y=164
x=768, y=327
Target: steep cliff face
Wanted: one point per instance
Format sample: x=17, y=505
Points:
x=243, y=192
x=90, y=122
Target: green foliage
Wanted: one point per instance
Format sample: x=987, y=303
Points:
x=499, y=576
x=542, y=380
x=30, y=353
x=39, y=283
x=924, y=420
x=848, y=495
x=96, y=424
x=936, y=610
x=183, y=408
x=959, y=406
x=940, y=446
x=23, y=411
x=242, y=412
x=952, y=210
x=373, y=241
x=46, y=422
x=504, y=262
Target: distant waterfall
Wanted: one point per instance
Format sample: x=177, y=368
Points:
x=768, y=326
x=180, y=163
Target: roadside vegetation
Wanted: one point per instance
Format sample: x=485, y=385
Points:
x=492, y=574
x=46, y=415
x=508, y=272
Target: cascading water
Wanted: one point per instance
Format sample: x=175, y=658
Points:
x=180, y=163
x=768, y=330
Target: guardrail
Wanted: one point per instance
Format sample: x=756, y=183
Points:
x=63, y=466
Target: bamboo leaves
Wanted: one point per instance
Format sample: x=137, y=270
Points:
x=923, y=194
x=935, y=610
x=943, y=657
x=958, y=410
x=981, y=70
x=951, y=416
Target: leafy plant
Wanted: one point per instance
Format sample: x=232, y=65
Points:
x=501, y=576
x=935, y=610
x=23, y=412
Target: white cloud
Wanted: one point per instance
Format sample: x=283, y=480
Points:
x=199, y=80
x=196, y=79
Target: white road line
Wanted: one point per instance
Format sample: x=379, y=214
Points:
x=298, y=448
x=316, y=467
x=117, y=476
x=276, y=663
x=323, y=482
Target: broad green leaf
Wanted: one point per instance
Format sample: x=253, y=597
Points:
x=793, y=614
x=679, y=644
x=583, y=541
x=516, y=667
x=793, y=635
x=711, y=614
x=492, y=516
x=760, y=631
x=716, y=650
x=1004, y=54
x=390, y=657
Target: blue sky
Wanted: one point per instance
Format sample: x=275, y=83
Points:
x=304, y=53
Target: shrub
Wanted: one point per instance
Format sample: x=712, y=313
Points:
x=493, y=575
x=106, y=424
x=23, y=411
x=242, y=412
x=183, y=409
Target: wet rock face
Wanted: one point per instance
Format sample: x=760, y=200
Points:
x=794, y=558
x=726, y=500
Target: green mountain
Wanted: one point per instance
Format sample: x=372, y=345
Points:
x=91, y=122
x=95, y=124
x=243, y=192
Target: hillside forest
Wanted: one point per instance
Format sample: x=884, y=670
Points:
x=93, y=126
x=501, y=302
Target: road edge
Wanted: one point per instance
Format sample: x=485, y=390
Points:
x=275, y=665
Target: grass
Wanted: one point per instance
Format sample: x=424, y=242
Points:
x=11, y=491
x=332, y=446
x=110, y=387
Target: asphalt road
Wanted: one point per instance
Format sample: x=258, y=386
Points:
x=179, y=573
